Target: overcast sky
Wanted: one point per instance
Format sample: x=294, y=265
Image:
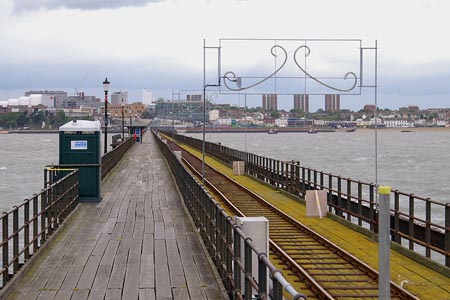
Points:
x=74, y=44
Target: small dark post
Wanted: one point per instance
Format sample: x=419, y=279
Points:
x=105, y=89
x=123, y=121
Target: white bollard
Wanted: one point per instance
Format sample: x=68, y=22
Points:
x=316, y=203
x=384, y=242
x=256, y=228
x=238, y=168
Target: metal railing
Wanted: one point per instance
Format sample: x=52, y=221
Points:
x=26, y=227
x=230, y=249
x=417, y=223
x=110, y=159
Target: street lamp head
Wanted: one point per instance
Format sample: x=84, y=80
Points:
x=123, y=104
x=106, y=85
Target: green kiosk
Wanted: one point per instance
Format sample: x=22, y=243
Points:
x=79, y=147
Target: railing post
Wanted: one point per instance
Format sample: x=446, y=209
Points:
x=35, y=223
x=330, y=193
x=341, y=207
x=262, y=277
x=360, y=203
x=228, y=248
x=237, y=260
x=396, y=237
x=447, y=234
x=277, y=289
x=247, y=269
x=303, y=182
x=26, y=230
x=428, y=227
x=15, y=239
x=44, y=213
x=5, y=248
x=349, y=199
x=411, y=222
x=372, y=208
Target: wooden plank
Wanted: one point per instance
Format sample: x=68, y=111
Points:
x=131, y=285
x=101, y=244
x=161, y=270
x=97, y=294
x=117, y=276
x=47, y=295
x=194, y=283
x=180, y=293
x=113, y=294
x=69, y=283
x=138, y=230
x=147, y=271
x=80, y=294
x=149, y=220
x=159, y=231
x=109, y=225
x=147, y=294
x=177, y=278
x=88, y=275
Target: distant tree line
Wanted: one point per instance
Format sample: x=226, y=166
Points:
x=33, y=120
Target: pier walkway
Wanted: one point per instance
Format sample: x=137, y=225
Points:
x=138, y=243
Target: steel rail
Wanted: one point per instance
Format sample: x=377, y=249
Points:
x=396, y=290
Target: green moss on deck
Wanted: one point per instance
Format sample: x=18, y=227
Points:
x=417, y=278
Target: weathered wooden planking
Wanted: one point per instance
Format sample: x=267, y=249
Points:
x=113, y=294
x=180, y=293
x=147, y=272
x=162, y=278
x=177, y=276
x=147, y=294
x=128, y=246
x=88, y=275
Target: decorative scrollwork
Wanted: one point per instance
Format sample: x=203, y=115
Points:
x=231, y=76
x=307, y=52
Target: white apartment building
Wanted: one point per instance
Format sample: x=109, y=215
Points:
x=281, y=122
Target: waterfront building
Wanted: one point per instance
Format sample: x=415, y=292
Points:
x=213, y=115
x=134, y=110
x=116, y=97
x=82, y=112
x=281, y=122
x=301, y=102
x=57, y=97
x=369, y=107
x=80, y=100
x=269, y=102
x=194, y=97
x=147, y=97
x=332, y=103
x=398, y=123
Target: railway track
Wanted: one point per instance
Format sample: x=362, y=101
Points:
x=322, y=269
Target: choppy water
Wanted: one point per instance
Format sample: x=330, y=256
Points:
x=412, y=162
x=22, y=161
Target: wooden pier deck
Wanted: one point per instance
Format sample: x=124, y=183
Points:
x=138, y=243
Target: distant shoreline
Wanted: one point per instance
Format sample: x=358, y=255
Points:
x=409, y=129
x=238, y=130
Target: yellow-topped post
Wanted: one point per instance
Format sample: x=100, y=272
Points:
x=384, y=241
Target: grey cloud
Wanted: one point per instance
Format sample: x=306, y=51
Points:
x=29, y=5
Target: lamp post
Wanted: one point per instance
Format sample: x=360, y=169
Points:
x=129, y=129
x=106, y=88
x=123, y=120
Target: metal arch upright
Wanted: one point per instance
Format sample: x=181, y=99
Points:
x=230, y=77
